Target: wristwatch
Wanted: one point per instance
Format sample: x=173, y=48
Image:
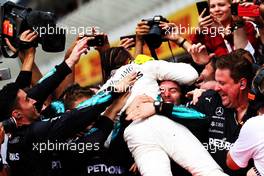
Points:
x=237, y=24
x=158, y=106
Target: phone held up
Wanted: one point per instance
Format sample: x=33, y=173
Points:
x=201, y=6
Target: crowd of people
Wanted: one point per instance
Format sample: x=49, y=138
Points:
x=148, y=117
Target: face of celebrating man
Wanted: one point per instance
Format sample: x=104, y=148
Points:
x=227, y=88
x=26, y=106
x=170, y=92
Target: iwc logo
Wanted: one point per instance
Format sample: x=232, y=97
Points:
x=219, y=111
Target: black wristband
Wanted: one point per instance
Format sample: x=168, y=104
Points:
x=166, y=109
x=182, y=42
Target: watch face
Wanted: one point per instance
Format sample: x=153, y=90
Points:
x=157, y=103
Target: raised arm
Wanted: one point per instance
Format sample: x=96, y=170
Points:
x=50, y=82
x=69, y=80
x=141, y=29
x=29, y=73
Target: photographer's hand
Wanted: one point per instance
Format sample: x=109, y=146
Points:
x=198, y=51
x=27, y=56
x=171, y=34
x=141, y=29
x=28, y=36
x=10, y=46
x=171, y=31
x=69, y=50
x=80, y=48
x=74, y=43
x=127, y=43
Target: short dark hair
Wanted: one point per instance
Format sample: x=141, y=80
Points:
x=112, y=59
x=73, y=93
x=238, y=64
x=8, y=100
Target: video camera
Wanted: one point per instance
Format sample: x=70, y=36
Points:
x=15, y=19
x=154, y=37
x=256, y=95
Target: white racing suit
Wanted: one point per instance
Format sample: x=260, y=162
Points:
x=152, y=141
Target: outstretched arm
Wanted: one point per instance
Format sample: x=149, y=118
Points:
x=143, y=107
x=30, y=73
x=197, y=51
x=52, y=80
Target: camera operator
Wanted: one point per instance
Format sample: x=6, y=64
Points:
x=23, y=80
x=230, y=31
x=198, y=51
x=10, y=92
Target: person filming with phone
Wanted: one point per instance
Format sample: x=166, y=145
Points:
x=223, y=30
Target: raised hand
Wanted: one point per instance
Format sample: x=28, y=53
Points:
x=127, y=43
x=199, y=54
x=171, y=31
x=205, y=21
x=80, y=48
x=142, y=29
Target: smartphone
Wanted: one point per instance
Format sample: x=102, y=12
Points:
x=248, y=11
x=5, y=74
x=128, y=36
x=97, y=41
x=201, y=6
